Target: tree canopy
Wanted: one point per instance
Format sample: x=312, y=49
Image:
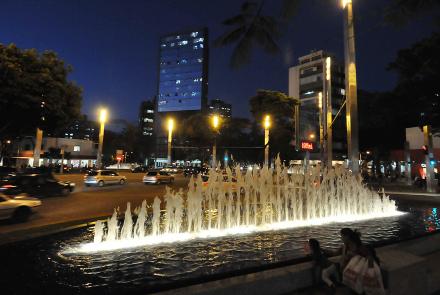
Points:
x=418, y=89
x=29, y=78
x=281, y=109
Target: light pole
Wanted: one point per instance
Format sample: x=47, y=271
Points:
x=321, y=128
x=266, y=139
x=170, y=125
x=215, y=125
x=102, y=120
x=351, y=87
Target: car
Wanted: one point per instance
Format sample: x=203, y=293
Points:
x=103, y=177
x=35, y=185
x=5, y=171
x=18, y=208
x=157, y=177
x=139, y=169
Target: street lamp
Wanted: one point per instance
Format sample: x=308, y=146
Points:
x=102, y=120
x=170, y=125
x=266, y=124
x=215, y=124
x=351, y=87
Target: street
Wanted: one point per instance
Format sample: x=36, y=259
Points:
x=91, y=202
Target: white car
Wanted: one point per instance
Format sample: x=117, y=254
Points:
x=18, y=208
x=103, y=177
x=157, y=177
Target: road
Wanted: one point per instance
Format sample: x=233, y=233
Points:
x=91, y=202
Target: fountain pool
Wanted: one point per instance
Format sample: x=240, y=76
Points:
x=227, y=226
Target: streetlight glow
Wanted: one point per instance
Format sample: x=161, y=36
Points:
x=102, y=115
x=267, y=122
x=215, y=121
x=312, y=136
x=320, y=100
x=170, y=124
x=328, y=65
x=345, y=2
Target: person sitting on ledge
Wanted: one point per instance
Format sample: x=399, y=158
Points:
x=323, y=268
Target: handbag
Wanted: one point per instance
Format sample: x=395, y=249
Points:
x=353, y=273
x=372, y=281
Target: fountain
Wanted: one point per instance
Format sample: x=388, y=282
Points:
x=236, y=203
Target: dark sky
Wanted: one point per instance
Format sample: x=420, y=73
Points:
x=113, y=44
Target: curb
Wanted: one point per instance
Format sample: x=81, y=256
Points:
x=48, y=229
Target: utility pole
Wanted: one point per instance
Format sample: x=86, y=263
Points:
x=328, y=112
x=407, y=163
x=430, y=177
x=351, y=87
x=37, y=149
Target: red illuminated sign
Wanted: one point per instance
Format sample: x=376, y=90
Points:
x=307, y=146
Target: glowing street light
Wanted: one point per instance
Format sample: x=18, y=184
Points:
x=215, y=120
x=266, y=124
x=102, y=120
x=170, y=125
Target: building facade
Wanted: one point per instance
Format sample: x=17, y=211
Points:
x=183, y=72
x=306, y=82
x=76, y=153
x=146, y=118
x=217, y=106
x=183, y=81
x=82, y=129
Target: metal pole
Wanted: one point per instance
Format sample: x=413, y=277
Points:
x=214, y=154
x=351, y=88
x=297, y=126
x=266, y=147
x=101, y=141
x=37, y=149
x=62, y=161
x=407, y=163
x=329, y=115
x=430, y=177
x=322, y=122
x=170, y=139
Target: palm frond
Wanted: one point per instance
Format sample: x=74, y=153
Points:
x=242, y=52
x=230, y=37
x=289, y=9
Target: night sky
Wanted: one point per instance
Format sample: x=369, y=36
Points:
x=113, y=45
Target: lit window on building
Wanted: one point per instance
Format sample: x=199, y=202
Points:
x=194, y=34
x=163, y=45
x=172, y=44
x=198, y=40
x=342, y=91
x=184, y=42
x=150, y=111
x=76, y=148
x=184, y=61
x=200, y=59
x=177, y=81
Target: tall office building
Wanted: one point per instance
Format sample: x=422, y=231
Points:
x=306, y=81
x=183, y=72
x=146, y=118
x=183, y=80
x=218, y=106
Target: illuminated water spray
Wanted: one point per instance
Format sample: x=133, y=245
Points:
x=234, y=203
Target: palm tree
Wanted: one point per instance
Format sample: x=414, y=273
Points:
x=250, y=27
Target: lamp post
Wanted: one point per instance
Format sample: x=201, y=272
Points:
x=266, y=139
x=351, y=87
x=170, y=125
x=102, y=120
x=215, y=125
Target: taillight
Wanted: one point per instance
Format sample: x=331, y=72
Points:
x=6, y=186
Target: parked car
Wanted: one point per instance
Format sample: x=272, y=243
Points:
x=4, y=171
x=18, y=208
x=36, y=185
x=103, y=177
x=139, y=169
x=195, y=171
x=157, y=177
